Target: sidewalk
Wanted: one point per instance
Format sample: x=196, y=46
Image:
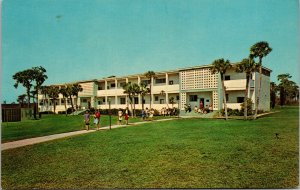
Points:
x=25, y=142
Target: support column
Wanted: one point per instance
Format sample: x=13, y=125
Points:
x=92, y=101
x=116, y=83
x=167, y=79
x=139, y=96
x=105, y=85
x=152, y=96
x=167, y=99
x=116, y=101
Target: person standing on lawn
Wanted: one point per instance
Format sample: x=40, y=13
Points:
x=120, y=114
x=97, y=119
x=87, y=120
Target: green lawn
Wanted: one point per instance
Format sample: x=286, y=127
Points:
x=185, y=153
x=50, y=124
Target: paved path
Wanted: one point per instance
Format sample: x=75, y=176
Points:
x=25, y=142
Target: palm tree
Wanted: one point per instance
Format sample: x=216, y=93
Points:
x=246, y=66
x=53, y=92
x=44, y=91
x=39, y=76
x=64, y=93
x=75, y=90
x=135, y=91
x=221, y=66
x=128, y=90
x=260, y=50
x=150, y=75
x=143, y=91
x=25, y=78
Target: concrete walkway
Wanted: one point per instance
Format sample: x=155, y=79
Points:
x=25, y=142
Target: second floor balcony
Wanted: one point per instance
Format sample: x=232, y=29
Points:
x=239, y=84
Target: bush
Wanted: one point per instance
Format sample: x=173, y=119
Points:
x=46, y=112
x=62, y=112
x=69, y=110
x=249, y=107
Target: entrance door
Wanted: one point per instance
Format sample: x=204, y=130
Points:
x=201, y=100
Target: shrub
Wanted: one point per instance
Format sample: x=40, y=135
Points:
x=249, y=107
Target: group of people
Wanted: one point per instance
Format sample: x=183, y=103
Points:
x=120, y=116
x=97, y=116
x=201, y=108
x=147, y=113
x=167, y=111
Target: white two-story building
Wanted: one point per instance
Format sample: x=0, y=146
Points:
x=187, y=86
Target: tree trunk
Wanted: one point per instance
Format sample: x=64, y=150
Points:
x=28, y=95
x=66, y=106
x=150, y=92
x=224, y=97
x=142, y=102
x=54, y=105
x=259, y=88
x=130, y=98
x=134, y=107
x=72, y=103
x=246, y=97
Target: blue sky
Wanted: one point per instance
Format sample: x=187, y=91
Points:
x=91, y=39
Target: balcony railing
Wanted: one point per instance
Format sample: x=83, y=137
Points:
x=237, y=84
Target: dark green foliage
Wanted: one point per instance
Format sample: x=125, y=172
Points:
x=249, y=107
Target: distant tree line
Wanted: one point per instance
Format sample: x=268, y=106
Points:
x=284, y=93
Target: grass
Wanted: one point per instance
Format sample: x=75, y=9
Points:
x=50, y=124
x=185, y=153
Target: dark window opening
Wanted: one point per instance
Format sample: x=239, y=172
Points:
x=227, y=97
x=193, y=98
x=136, y=100
x=227, y=77
x=240, y=99
x=159, y=81
x=177, y=97
x=156, y=98
x=122, y=100
x=170, y=82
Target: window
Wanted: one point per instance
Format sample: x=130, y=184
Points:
x=103, y=100
x=159, y=81
x=41, y=103
x=112, y=85
x=177, y=97
x=146, y=81
x=99, y=87
x=161, y=101
x=107, y=87
x=144, y=101
x=227, y=97
x=193, y=98
x=156, y=98
x=227, y=77
x=62, y=101
x=99, y=102
x=136, y=100
x=83, y=100
x=240, y=99
x=170, y=82
x=122, y=100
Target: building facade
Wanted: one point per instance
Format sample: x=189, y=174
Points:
x=187, y=86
